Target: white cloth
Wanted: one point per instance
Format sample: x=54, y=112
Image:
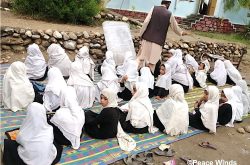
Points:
x=173, y=113
x=58, y=58
x=219, y=74
x=18, y=92
x=173, y=62
x=51, y=97
x=209, y=109
x=165, y=81
x=109, y=61
x=201, y=75
x=190, y=61
x=35, y=62
x=183, y=76
x=232, y=72
x=228, y=92
x=140, y=110
x=237, y=91
x=36, y=137
x=245, y=96
x=177, y=54
x=87, y=63
x=125, y=142
x=147, y=77
x=70, y=117
x=84, y=87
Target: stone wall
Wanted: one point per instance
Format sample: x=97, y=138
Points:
x=15, y=39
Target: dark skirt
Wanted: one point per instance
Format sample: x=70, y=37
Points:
x=196, y=83
x=11, y=157
x=230, y=81
x=157, y=122
x=162, y=92
x=195, y=121
x=209, y=78
x=126, y=94
x=185, y=88
x=44, y=77
x=225, y=114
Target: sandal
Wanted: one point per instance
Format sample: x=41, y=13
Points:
x=206, y=144
x=187, y=160
x=167, y=152
x=149, y=158
x=131, y=160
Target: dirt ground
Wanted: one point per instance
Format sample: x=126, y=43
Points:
x=230, y=144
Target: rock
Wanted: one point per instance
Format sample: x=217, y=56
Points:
x=104, y=47
x=117, y=18
x=5, y=47
x=6, y=9
x=86, y=34
x=18, y=48
x=95, y=46
x=16, y=35
x=52, y=40
x=86, y=44
x=185, y=46
x=98, y=34
x=57, y=35
x=247, y=128
x=1, y=61
x=79, y=34
x=97, y=52
x=71, y=45
x=4, y=34
x=125, y=19
x=98, y=16
x=9, y=30
x=241, y=130
x=35, y=36
x=102, y=14
x=22, y=31
x=72, y=36
x=110, y=16
x=11, y=41
x=65, y=36
x=38, y=41
x=45, y=44
x=166, y=46
x=49, y=32
x=28, y=33
x=27, y=41
x=80, y=41
x=46, y=37
x=79, y=46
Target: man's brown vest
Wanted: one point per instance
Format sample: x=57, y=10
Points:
x=157, y=28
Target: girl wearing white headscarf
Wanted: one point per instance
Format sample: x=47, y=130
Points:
x=35, y=63
x=34, y=143
x=163, y=82
x=233, y=75
x=68, y=121
x=206, y=111
x=84, y=87
x=172, y=116
x=109, y=80
x=227, y=109
x=200, y=75
x=109, y=61
x=51, y=97
x=58, y=58
x=238, y=102
x=129, y=74
x=219, y=75
x=148, y=79
x=191, y=63
x=18, y=92
x=87, y=63
x=245, y=96
x=139, y=116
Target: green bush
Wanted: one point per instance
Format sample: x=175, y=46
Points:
x=73, y=11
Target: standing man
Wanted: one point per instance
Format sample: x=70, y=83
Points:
x=153, y=33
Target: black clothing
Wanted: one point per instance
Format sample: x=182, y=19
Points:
x=195, y=120
x=225, y=114
x=209, y=78
x=159, y=91
x=185, y=88
x=42, y=78
x=126, y=94
x=230, y=81
x=196, y=83
x=157, y=122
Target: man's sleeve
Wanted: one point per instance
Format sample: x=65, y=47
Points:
x=174, y=26
x=146, y=22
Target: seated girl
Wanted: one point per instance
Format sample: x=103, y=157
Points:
x=68, y=121
x=147, y=78
x=137, y=116
x=205, y=115
x=18, y=92
x=225, y=113
x=245, y=96
x=108, y=62
x=58, y=58
x=233, y=75
x=84, y=87
x=36, y=66
x=105, y=124
x=163, y=82
x=34, y=142
x=200, y=75
x=51, y=96
x=87, y=63
x=191, y=63
x=219, y=74
x=172, y=116
x=237, y=97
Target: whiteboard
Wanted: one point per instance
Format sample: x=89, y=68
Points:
x=118, y=39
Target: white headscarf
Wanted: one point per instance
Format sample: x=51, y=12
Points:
x=58, y=58
x=109, y=61
x=228, y=92
x=35, y=62
x=189, y=60
x=140, y=110
x=165, y=81
x=232, y=72
x=238, y=102
x=147, y=77
x=18, y=92
x=36, y=137
x=77, y=77
x=56, y=83
x=219, y=74
x=209, y=110
x=87, y=63
x=125, y=142
x=70, y=117
x=177, y=54
x=201, y=75
x=183, y=76
x=245, y=96
x=173, y=113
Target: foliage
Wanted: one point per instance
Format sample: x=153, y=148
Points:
x=230, y=4
x=73, y=11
